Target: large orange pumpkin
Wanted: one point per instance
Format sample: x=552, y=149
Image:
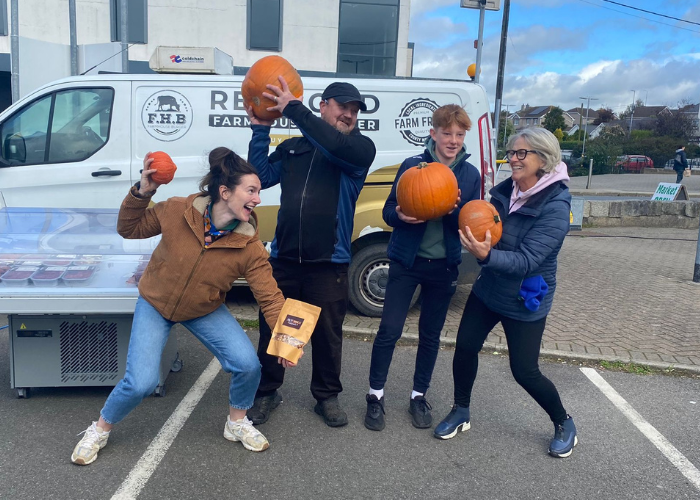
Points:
x=481, y=216
x=266, y=71
x=427, y=191
x=165, y=166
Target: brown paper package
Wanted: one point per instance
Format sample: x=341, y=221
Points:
x=293, y=329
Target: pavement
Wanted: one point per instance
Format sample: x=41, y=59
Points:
x=642, y=185
x=623, y=294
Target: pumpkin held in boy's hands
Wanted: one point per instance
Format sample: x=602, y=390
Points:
x=165, y=166
x=266, y=71
x=481, y=216
x=427, y=191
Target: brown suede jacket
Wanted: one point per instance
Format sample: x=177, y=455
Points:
x=185, y=279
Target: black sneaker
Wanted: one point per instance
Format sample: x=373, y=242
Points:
x=263, y=406
x=374, y=418
x=420, y=413
x=333, y=415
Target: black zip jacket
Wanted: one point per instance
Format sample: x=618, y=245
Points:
x=320, y=175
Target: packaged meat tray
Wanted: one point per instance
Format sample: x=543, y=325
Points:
x=78, y=275
x=60, y=260
x=87, y=260
x=48, y=276
x=18, y=276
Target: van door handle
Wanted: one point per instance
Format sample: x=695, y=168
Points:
x=106, y=173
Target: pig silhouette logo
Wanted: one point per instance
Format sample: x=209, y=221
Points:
x=167, y=115
x=169, y=102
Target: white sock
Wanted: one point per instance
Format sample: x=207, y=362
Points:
x=416, y=393
x=97, y=428
x=376, y=392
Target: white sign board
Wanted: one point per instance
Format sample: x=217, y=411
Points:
x=667, y=191
x=476, y=4
x=191, y=60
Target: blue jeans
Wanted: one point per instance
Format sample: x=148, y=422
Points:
x=218, y=331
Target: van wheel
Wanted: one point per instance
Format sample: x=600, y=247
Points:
x=368, y=275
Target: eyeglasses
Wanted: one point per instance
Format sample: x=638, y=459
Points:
x=521, y=154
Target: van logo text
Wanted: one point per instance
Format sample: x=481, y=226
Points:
x=167, y=115
x=415, y=120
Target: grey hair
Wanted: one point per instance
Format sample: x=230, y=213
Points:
x=544, y=142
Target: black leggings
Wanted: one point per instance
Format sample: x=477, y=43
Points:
x=524, y=338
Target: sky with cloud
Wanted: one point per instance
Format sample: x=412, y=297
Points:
x=560, y=50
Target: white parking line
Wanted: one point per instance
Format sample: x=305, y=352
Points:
x=139, y=475
x=679, y=461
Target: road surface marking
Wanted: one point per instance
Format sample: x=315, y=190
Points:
x=147, y=464
x=679, y=461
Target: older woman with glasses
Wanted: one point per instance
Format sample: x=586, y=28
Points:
x=517, y=281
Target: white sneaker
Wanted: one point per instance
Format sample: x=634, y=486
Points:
x=242, y=430
x=94, y=439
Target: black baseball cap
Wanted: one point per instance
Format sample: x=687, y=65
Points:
x=344, y=92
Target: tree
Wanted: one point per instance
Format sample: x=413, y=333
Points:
x=605, y=115
x=631, y=107
x=674, y=124
x=559, y=134
x=554, y=119
x=505, y=128
x=605, y=149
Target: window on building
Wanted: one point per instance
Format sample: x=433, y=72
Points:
x=265, y=25
x=368, y=33
x=137, y=22
x=67, y=126
x=4, y=31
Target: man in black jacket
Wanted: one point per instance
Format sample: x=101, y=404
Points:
x=320, y=175
x=680, y=163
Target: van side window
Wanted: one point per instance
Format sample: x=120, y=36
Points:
x=24, y=135
x=77, y=127
x=66, y=126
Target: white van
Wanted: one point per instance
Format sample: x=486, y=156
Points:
x=79, y=143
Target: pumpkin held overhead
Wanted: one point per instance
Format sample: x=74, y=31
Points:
x=266, y=72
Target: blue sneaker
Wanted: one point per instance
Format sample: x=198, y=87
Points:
x=456, y=420
x=564, y=439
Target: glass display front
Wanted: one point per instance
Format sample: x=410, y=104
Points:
x=68, y=252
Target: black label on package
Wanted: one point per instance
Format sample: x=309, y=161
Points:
x=293, y=321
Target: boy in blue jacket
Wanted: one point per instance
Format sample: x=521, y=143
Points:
x=425, y=253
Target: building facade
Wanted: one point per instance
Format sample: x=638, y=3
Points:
x=368, y=37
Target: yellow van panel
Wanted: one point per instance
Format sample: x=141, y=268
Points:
x=267, y=221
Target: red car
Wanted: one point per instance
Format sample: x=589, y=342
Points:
x=635, y=163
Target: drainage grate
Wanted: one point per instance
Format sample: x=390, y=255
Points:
x=89, y=351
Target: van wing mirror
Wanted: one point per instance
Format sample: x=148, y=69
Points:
x=14, y=150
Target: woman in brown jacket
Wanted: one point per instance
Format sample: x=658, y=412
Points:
x=209, y=240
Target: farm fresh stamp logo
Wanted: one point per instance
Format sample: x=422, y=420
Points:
x=167, y=115
x=415, y=120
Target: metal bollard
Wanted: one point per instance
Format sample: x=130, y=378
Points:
x=696, y=272
x=590, y=173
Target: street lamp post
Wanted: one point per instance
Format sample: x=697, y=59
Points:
x=634, y=94
x=585, y=126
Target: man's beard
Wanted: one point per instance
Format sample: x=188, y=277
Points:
x=345, y=130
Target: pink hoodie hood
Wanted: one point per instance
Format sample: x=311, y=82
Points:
x=518, y=198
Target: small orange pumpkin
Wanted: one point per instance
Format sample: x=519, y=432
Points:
x=427, y=191
x=266, y=71
x=165, y=166
x=481, y=216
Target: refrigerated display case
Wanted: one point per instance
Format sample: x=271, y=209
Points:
x=68, y=283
